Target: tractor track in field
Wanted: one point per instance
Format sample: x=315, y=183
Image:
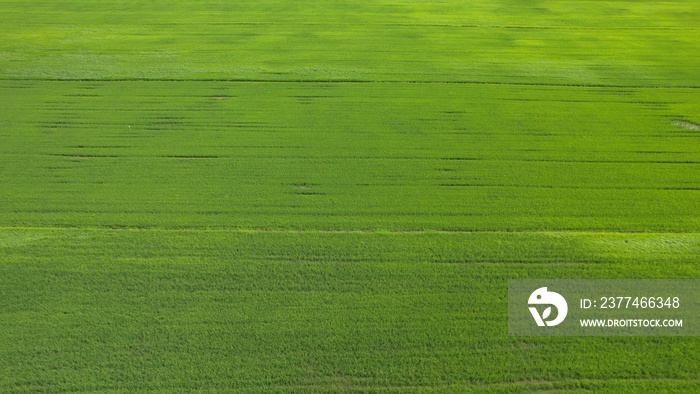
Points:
x=352, y=81
x=338, y=231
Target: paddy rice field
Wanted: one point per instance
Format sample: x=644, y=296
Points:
x=303, y=197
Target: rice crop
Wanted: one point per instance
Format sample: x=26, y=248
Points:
x=280, y=196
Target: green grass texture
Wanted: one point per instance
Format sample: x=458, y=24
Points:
x=330, y=197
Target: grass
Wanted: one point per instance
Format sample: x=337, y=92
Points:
x=299, y=197
x=276, y=155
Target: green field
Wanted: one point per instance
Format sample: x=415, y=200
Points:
x=299, y=197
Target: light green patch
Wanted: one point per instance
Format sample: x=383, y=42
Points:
x=12, y=238
x=649, y=244
x=686, y=125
